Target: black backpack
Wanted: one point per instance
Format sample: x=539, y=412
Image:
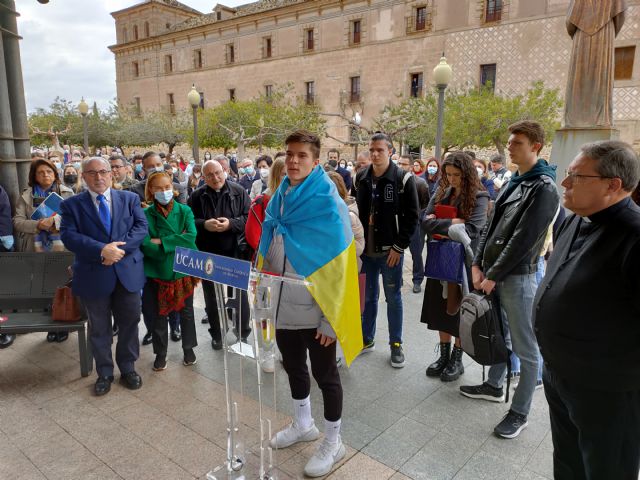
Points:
x=482, y=332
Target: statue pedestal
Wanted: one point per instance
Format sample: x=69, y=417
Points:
x=567, y=142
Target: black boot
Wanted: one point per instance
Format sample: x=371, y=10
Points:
x=454, y=367
x=437, y=367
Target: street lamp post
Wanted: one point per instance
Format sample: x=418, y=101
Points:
x=194, y=101
x=83, y=108
x=357, y=120
x=442, y=76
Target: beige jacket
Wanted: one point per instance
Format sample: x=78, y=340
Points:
x=356, y=226
x=25, y=228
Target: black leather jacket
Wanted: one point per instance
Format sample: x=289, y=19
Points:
x=512, y=239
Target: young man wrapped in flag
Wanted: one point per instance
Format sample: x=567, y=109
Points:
x=307, y=231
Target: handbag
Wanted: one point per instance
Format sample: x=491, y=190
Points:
x=66, y=307
x=445, y=261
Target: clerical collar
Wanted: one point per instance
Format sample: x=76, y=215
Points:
x=603, y=216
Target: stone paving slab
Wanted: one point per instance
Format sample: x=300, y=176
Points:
x=397, y=423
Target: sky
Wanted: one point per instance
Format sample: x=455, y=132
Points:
x=64, y=48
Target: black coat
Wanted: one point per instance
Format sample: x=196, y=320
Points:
x=513, y=237
x=586, y=312
x=233, y=203
x=395, y=214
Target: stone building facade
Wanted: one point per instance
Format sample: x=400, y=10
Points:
x=353, y=55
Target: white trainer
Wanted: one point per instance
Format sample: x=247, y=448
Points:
x=326, y=456
x=268, y=364
x=292, y=435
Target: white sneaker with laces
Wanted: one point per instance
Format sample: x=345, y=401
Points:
x=292, y=435
x=268, y=364
x=326, y=456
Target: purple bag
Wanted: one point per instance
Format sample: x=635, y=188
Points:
x=445, y=261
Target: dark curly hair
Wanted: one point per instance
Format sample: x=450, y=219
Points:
x=470, y=182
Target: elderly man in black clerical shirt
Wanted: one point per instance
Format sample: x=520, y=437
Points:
x=587, y=319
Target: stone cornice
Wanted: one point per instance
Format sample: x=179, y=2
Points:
x=168, y=4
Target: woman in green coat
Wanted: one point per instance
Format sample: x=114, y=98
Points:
x=171, y=225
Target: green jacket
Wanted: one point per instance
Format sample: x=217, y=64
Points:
x=177, y=230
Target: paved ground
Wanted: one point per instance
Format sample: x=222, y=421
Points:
x=397, y=423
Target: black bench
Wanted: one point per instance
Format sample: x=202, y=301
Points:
x=28, y=283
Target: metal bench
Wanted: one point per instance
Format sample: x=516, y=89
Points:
x=28, y=283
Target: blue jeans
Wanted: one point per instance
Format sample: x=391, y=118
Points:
x=516, y=293
x=515, y=361
x=391, y=282
x=416, y=247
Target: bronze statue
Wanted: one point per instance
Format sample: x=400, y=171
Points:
x=593, y=25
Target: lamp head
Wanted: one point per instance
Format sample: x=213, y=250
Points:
x=194, y=96
x=442, y=73
x=83, y=107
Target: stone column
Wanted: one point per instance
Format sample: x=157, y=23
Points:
x=15, y=158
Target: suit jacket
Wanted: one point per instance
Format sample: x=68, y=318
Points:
x=82, y=233
x=587, y=308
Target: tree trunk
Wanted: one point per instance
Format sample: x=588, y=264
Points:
x=240, y=153
x=171, y=145
x=499, y=145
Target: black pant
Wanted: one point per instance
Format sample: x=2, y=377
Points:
x=125, y=306
x=159, y=323
x=293, y=345
x=596, y=433
x=211, y=307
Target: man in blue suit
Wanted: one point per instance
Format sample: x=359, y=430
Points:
x=105, y=228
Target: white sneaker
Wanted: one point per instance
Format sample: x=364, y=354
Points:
x=326, y=456
x=268, y=364
x=292, y=435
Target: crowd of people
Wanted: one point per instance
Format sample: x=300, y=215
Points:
x=124, y=217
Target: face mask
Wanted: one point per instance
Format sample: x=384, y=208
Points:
x=394, y=161
x=264, y=172
x=138, y=167
x=249, y=171
x=76, y=164
x=71, y=179
x=432, y=170
x=350, y=168
x=191, y=162
x=58, y=165
x=163, y=197
x=197, y=175
x=343, y=165
x=174, y=170
x=155, y=169
x=207, y=156
x=226, y=175
x=241, y=171
x=480, y=171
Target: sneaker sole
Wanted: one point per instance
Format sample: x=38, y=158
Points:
x=513, y=435
x=188, y=364
x=397, y=364
x=339, y=456
x=312, y=436
x=483, y=397
x=368, y=349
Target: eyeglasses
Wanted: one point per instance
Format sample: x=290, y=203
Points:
x=213, y=176
x=116, y=167
x=95, y=173
x=575, y=177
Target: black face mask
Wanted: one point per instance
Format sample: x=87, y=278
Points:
x=71, y=179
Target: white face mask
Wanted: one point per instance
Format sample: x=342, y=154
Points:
x=174, y=170
x=264, y=173
x=197, y=175
x=480, y=171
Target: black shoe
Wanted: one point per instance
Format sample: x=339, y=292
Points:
x=397, y=355
x=102, y=386
x=189, y=357
x=62, y=336
x=484, y=392
x=6, y=340
x=51, y=337
x=147, y=339
x=417, y=288
x=454, y=368
x=160, y=363
x=216, y=344
x=176, y=335
x=116, y=330
x=131, y=380
x=437, y=367
x=205, y=319
x=511, y=425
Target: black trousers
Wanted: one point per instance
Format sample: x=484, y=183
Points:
x=125, y=307
x=159, y=323
x=211, y=307
x=596, y=433
x=293, y=345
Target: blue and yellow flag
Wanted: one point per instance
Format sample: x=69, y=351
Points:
x=318, y=241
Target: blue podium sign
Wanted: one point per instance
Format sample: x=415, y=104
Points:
x=216, y=268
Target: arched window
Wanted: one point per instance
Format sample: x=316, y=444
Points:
x=135, y=32
x=146, y=29
x=125, y=38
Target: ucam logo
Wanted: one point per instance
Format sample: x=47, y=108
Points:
x=196, y=263
x=208, y=266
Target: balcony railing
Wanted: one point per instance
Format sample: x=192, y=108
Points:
x=419, y=23
x=493, y=14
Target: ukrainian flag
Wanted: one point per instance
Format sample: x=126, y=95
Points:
x=316, y=229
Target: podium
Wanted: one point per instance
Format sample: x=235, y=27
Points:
x=264, y=290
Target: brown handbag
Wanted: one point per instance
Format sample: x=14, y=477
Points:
x=66, y=307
